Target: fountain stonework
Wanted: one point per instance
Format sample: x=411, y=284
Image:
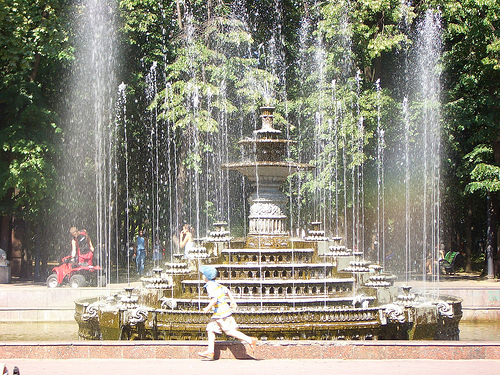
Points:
x=264, y=166
x=286, y=289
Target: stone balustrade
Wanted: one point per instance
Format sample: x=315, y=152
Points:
x=275, y=271
x=265, y=288
x=266, y=256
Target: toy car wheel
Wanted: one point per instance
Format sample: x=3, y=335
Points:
x=52, y=281
x=77, y=281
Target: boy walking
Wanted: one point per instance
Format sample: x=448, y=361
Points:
x=221, y=320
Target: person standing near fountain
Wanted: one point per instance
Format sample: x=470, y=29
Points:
x=186, y=240
x=429, y=261
x=82, y=250
x=222, y=319
x=140, y=253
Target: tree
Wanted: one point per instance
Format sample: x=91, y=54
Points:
x=34, y=40
x=473, y=69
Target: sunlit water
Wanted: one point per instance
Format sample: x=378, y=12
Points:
x=33, y=331
x=68, y=331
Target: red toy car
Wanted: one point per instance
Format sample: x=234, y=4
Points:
x=77, y=275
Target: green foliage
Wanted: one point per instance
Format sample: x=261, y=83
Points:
x=147, y=28
x=472, y=36
x=30, y=29
x=485, y=176
x=370, y=27
x=34, y=38
x=27, y=148
x=213, y=75
x=471, y=56
x=337, y=105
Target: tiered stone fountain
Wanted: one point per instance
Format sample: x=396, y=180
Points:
x=285, y=287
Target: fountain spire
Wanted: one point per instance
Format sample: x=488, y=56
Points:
x=267, y=130
x=265, y=166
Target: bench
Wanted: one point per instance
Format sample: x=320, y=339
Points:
x=448, y=263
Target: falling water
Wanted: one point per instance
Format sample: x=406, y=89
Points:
x=380, y=235
x=407, y=179
x=335, y=138
x=336, y=116
x=154, y=147
x=357, y=173
x=277, y=53
x=171, y=181
x=429, y=52
x=303, y=63
x=121, y=122
x=90, y=129
x=320, y=133
x=346, y=69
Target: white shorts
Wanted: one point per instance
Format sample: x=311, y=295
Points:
x=226, y=324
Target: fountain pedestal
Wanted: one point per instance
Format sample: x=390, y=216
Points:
x=267, y=206
x=264, y=166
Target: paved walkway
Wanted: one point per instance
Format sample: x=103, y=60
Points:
x=252, y=367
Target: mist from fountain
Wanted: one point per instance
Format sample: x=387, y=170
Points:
x=430, y=50
x=422, y=155
x=410, y=169
x=90, y=159
x=405, y=26
x=407, y=179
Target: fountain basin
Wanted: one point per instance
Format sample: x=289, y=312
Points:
x=267, y=170
x=283, y=322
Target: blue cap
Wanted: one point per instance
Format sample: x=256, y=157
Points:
x=210, y=272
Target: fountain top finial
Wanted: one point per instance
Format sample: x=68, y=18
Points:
x=267, y=130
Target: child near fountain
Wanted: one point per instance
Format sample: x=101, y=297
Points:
x=221, y=320
x=186, y=242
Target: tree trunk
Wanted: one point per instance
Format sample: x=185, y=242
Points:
x=36, y=65
x=6, y=234
x=491, y=234
x=496, y=153
x=179, y=14
x=491, y=247
x=37, y=272
x=468, y=238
